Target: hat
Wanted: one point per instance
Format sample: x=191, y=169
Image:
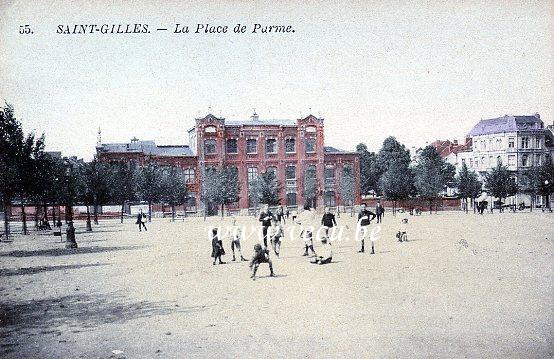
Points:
x=257, y=246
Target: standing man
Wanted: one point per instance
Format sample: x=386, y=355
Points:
x=265, y=217
x=364, y=219
x=379, y=210
x=141, y=219
x=328, y=221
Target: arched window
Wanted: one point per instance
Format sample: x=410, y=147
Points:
x=209, y=146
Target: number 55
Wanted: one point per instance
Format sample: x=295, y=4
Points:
x=24, y=29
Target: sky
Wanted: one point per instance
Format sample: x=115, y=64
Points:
x=416, y=70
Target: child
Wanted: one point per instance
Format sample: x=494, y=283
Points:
x=217, y=247
x=277, y=235
x=261, y=255
x=402, y=233
x=235, y=243
x=325, y=253
x=308, y=242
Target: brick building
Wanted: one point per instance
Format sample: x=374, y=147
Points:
x=290, y=148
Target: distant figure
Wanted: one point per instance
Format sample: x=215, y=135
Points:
x=324, y=253
x=217, y=247
x=141, y=221
x=260, y=255
x=379, y=210
x=276, y=237
x=281, y=215
x=328, y=221
x=306, y=223
x=364, y=219
x=265, y=217
x=402, y=234
x=287, y=213
x=235, y=244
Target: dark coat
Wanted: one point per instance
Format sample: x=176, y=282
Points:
x=369, y=216
x=217, y=247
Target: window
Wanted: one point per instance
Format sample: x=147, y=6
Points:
x=209, y=147
x=251, y=145
x=270, y=145
x=491, y=163
x=330, y=172
x=252, y=174
x=483, y=161
x=291, y=199
x=311, y=129
x=498, y=160
x=273, y=170
x=189, y=175
x=210, y=129
x=538, y=160
x=498, y=144
x=463, y=161
x=511, y=160
x=232, y=146
x=310, y=145
x=524, y=161
x=511, y=142
x=537, y=142
x=471, y=162
x=330, y=199
x=525, y=142
x=290, y=172
x=290, y=145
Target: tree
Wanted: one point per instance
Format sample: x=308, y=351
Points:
x=468, y=185
x=98, y=182
x=221, y=186
x=432, y=174
x=499, y=182
x=347, y=186
x=369, y=170
x=546, y=175
x=397, y=182
x=391, y=152
x=310, y=186
x=148, y=185
x=123, y=176
x=174, y=189
x=529, y=182
x=11, y=134
x=266, y=189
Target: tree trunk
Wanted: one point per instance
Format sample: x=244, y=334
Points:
x=6, y=221
x=89, y=226
x=45, y=209
x=222, y=210
x=24, y=218
x=430, y=207
x=122, y=210
x=37, y=208
x=54, y=215
x=95, y=214
x=173, y=212
x=149, y=211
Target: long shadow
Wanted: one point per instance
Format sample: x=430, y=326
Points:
x=78, y=312
x=54, y=252
x=6, y=272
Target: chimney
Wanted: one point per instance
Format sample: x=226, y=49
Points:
x=255, y=116
x=455, y=142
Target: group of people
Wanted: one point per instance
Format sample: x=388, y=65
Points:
x=272, y=232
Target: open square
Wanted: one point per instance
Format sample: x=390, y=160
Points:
x=462, y=285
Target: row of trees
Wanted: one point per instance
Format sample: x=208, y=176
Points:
x=392, y=174
x=31, y=176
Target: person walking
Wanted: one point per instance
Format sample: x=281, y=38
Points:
x=265, y=217
x=379, y=210
x=141, y=221
x=364, y=220
x=217, y=247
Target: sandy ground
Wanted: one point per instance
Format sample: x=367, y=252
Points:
x=462, y=286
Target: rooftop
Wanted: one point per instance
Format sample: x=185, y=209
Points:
x=507, y=123
x=146, y=147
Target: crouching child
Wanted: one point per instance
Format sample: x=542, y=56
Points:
x=261, y=255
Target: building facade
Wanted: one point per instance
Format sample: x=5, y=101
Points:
x=521, y=143
x=292, y=149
